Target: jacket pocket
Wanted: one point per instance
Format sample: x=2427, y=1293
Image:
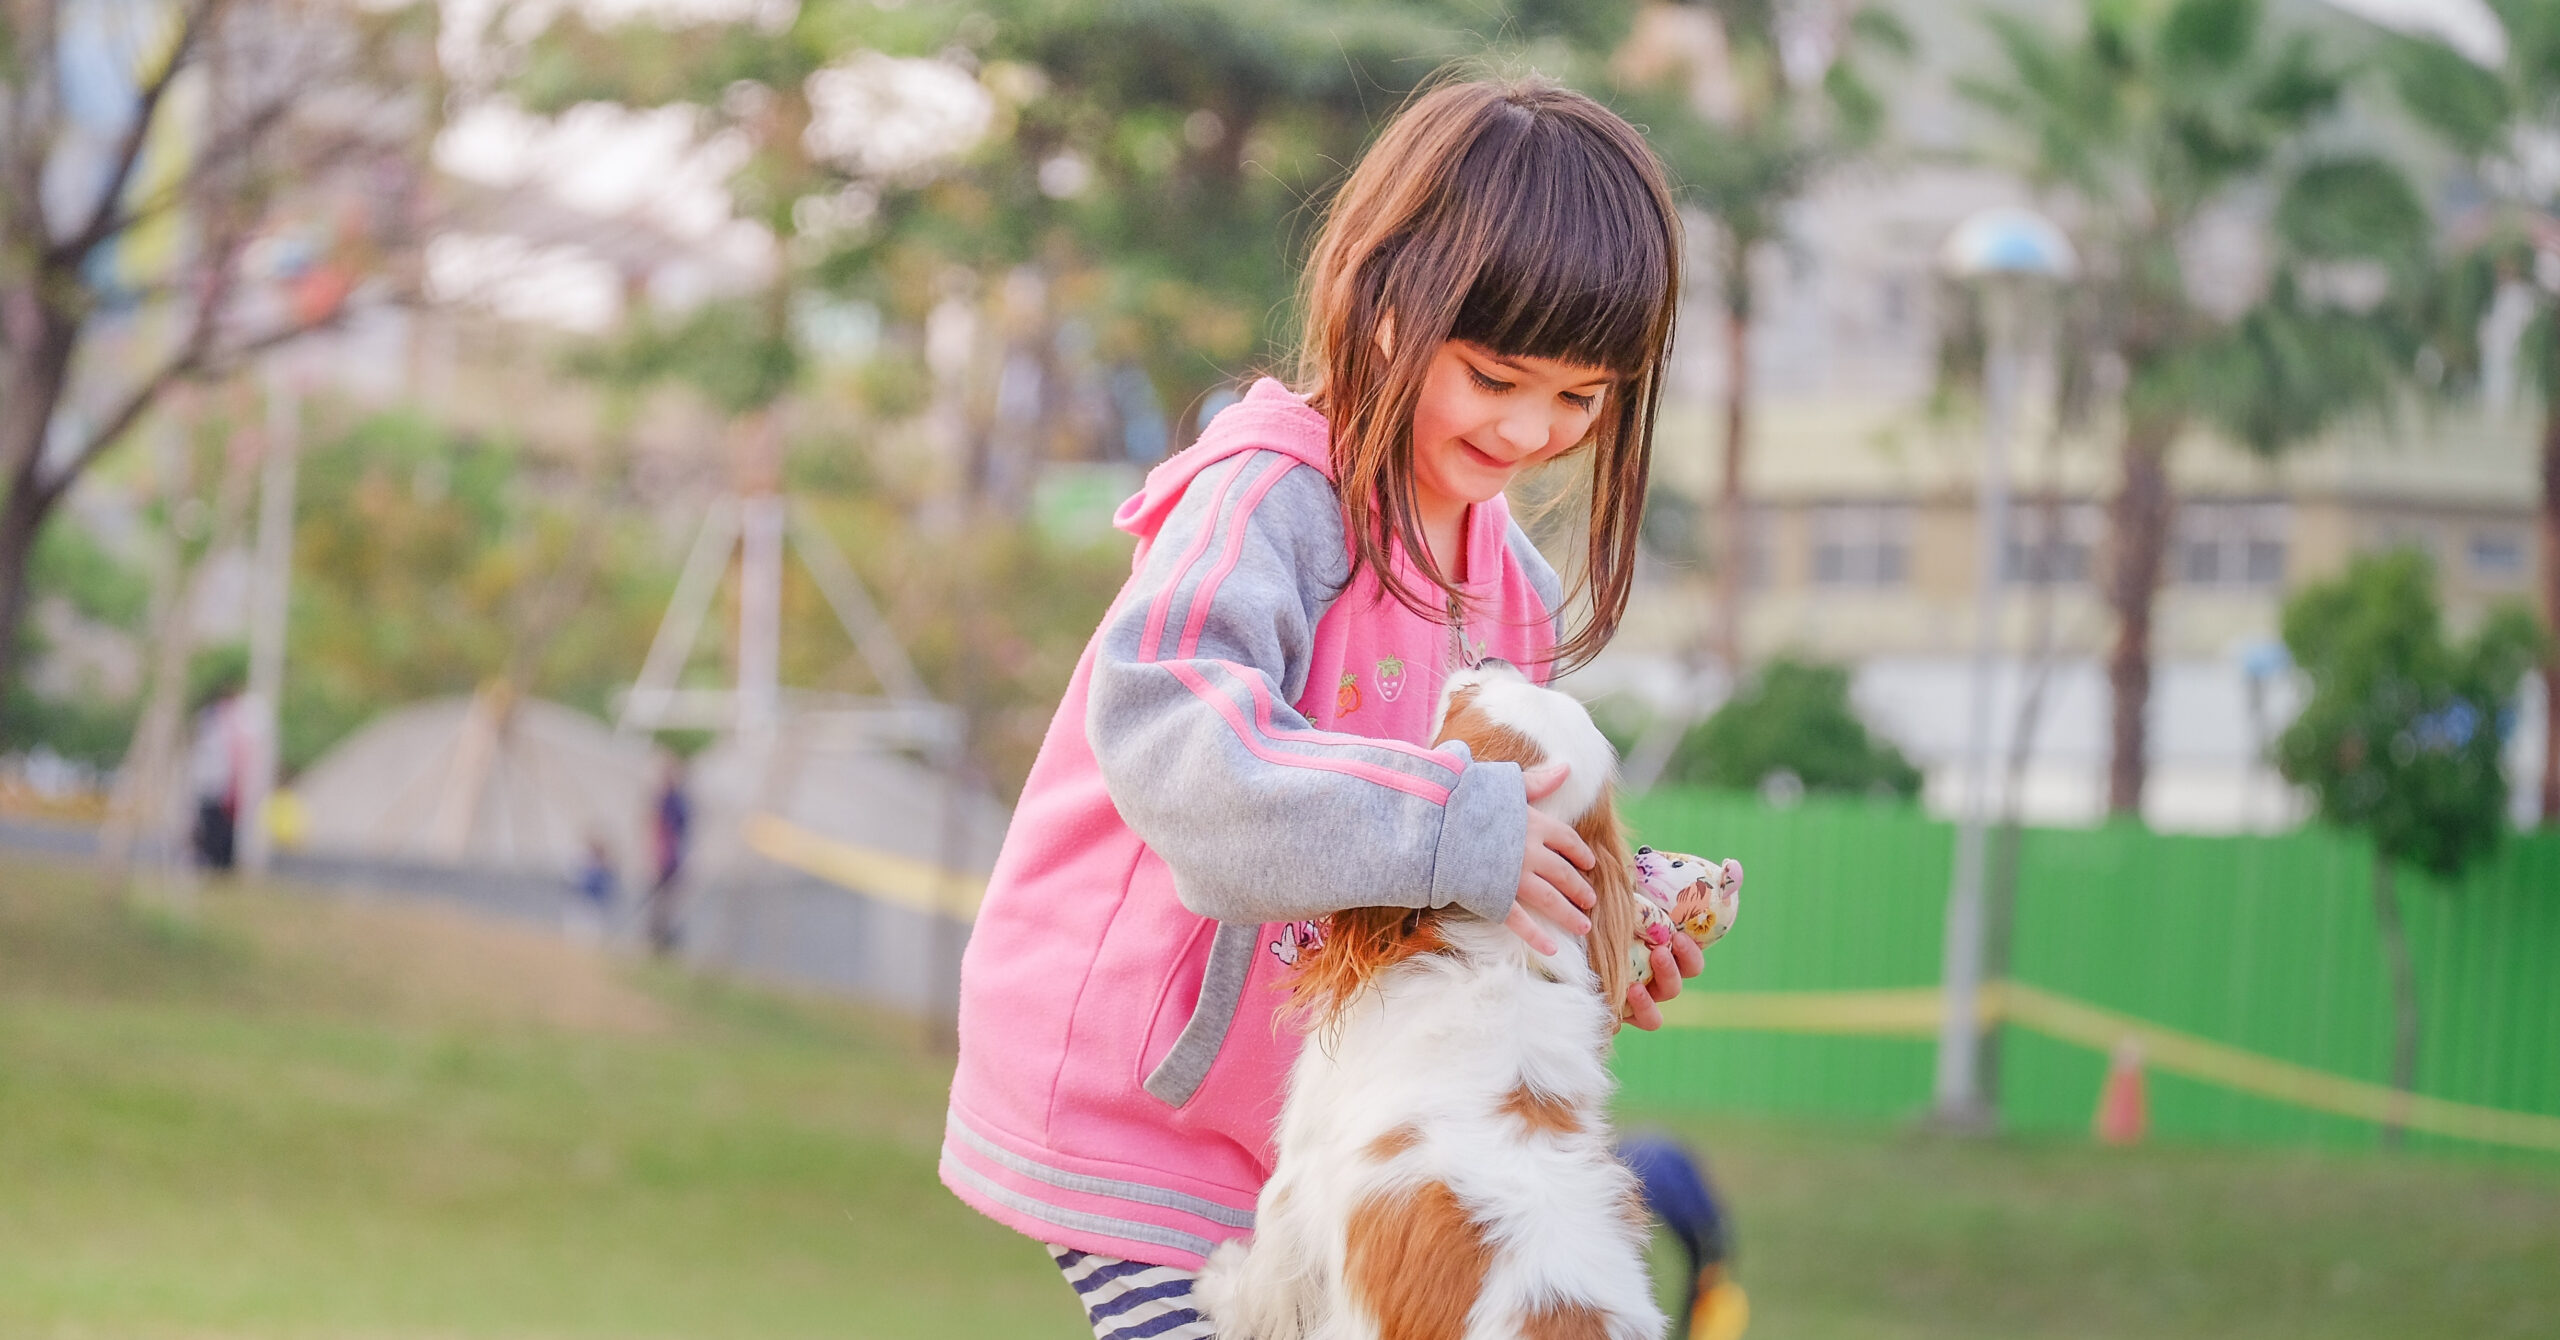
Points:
x=1177, y=999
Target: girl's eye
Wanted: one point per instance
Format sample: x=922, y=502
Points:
x=1579, y=400
x=1486, y=383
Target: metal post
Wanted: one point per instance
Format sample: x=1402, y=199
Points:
x=759, y=615
x=270, y=598
x=1959, y=1080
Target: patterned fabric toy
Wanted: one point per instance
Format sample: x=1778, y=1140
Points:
x=1687, y=893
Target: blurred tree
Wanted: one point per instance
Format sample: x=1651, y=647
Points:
x=2503, y=275
x=2402, y=735
x=1132, y=177
x=1041, y=198
x=146, y=149
x=1750, y=102
x=2142, y=121
x=427, y=565
x=1794, y=717
x=72, y=567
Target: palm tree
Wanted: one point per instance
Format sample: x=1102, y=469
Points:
x=2505, y=253
x=2139, y=123
x=1763, y=97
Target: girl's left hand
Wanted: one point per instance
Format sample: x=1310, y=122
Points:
x=1672, y=962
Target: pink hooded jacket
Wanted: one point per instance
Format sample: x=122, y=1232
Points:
x=1240, y=753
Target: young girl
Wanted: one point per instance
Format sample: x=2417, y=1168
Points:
x=1243, y=749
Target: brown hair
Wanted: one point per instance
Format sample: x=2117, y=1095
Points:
x=1524, y=217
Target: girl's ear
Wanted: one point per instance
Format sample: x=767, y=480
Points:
x=1386, y=335
x=1615, y=920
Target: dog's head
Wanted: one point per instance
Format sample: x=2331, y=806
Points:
x=1503, y=718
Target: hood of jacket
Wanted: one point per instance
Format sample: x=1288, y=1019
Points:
x=1271, y=417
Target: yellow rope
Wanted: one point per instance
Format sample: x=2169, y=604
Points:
x=1909, y=1012
x=1913, y=1013
x=921, y=885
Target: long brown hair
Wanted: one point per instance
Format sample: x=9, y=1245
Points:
x=1524, y=217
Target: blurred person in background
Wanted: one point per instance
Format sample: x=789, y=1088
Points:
x=670, y=822
x=217, y=769
x=598, y=888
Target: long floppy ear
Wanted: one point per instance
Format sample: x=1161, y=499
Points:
x=1359, y=943
x=1614, y=918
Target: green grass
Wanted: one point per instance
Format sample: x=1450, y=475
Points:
x=293, y=1116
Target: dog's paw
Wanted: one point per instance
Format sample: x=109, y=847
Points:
x=1221, y=1279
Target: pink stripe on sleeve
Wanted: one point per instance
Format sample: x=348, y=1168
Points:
x=1163, y=606
x=1262, y=718
x=1226, y=561
x=1235, y=718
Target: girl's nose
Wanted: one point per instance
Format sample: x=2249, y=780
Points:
x=1523, y=432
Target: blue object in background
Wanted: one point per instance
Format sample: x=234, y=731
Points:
x=1676, y=1189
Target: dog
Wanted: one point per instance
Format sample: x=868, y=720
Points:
x=1444, y=1165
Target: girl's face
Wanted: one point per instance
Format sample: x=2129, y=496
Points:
x=1484, y=417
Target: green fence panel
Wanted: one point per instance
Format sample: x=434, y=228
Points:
x=1842, y=896
x=2263, y=943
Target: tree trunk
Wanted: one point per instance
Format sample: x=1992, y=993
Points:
x=1733, y=549
x=22, y=519
x=2404, y=990
x=2139, y=541
x=2551, y=611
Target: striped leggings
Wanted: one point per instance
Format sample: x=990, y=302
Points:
x=1131, y=1300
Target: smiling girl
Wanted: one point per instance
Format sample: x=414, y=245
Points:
x=1243, y=749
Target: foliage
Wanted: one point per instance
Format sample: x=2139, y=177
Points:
x=2153, y=114
x=2140, y=123
x=166, y=172
x=1795, y=716
x=994, y=616
x=1746, y=150
x=1746, y=124
x=726, y=351
x=2402, y=734
x=417, y=562
x=2500, y=122
x=100, y=587
x=1155, y=162
x=81, y=729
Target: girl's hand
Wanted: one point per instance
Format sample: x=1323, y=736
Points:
x=1678, y=959
x=1551, y=866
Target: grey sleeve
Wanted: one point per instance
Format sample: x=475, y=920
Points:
x=1260, y=816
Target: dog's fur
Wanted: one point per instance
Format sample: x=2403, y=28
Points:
x=1444, y=1164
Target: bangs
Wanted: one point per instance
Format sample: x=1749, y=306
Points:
x=1576, y=265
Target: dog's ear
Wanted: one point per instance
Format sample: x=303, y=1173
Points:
x=1615, y=921
x=1359, y=943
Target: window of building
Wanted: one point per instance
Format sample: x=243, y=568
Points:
x=2236, y=545
x=1861, y=544
x=2497, y=555
x=2066, y=556
x=2391, y=534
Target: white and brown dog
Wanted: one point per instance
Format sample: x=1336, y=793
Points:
x=1444, y=1167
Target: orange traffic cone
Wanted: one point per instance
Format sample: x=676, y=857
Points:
x=2124, y=1109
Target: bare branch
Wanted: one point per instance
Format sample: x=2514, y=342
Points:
x=242, y=137
x=102, y=216
x=187, y=358
x=193, y=359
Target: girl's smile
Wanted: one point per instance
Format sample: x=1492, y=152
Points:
x=1482, y=419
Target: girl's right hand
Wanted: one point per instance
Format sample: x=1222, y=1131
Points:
x=1551, y=866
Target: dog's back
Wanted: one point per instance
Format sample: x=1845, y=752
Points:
x=1444, y=1161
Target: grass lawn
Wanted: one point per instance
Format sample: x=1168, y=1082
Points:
x=299, y=1116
